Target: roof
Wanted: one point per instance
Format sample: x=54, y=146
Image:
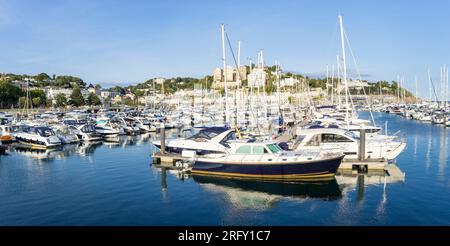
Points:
x=209, y=132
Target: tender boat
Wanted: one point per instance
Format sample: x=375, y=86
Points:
x=5, y=136
x=268, y=161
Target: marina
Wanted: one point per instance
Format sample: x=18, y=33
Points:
x=252, y=142
x=87, y=183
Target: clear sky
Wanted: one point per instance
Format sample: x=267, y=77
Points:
x=130, y=41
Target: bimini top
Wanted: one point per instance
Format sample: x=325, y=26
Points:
x=209, y=133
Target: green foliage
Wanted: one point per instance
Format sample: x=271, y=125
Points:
x=118, y=89
x=37, y=101
x=128, y=102
x=93, y=100
x=69, y=82
x=36, y=93
x=76, y=98
x=22, y=102
x=42, y=77
x=9, y=94
x=61, y=100
x=98, y=87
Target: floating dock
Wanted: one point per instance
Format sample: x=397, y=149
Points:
x=364, y=165
x=170, y=159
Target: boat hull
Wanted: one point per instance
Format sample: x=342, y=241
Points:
x=299, y=171
x=5, y=138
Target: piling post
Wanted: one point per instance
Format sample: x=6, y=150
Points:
x=362, y=143
x=162, y=132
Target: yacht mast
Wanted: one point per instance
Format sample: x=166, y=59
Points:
x=239, y=65
x=344, y=69
x=381, y=93
x=429, y=84
x=227, y=116
x=327, y=83
x=339, y=79
x=332, y=84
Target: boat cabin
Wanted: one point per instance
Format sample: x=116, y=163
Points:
x=255, y=148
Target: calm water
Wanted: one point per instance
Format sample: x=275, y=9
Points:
x=115, y=184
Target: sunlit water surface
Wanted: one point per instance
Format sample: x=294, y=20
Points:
x=115, y=184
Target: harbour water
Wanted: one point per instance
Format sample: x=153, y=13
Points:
x=116, y=184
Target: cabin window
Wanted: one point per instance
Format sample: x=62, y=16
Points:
x=45, y=132
x=334, y=138
x=300, y=138
x=314, y=141
x=244, y=150
x=259, y=150
x=228, y=137
x=274, y=148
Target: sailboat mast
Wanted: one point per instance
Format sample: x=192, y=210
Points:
x=344, y=68
x=239, y=65
x=429, y=84
x=332, y=84
x=339, y=79
x=381, y=93
x=227, y=116
x=327, y=83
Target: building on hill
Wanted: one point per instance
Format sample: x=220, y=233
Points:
x=52, y=92
x=159, y=81
x=91, y=89
x=288, y=82
x=21, y=84
x=257, y=78
x=357, y=84
x=234, y=77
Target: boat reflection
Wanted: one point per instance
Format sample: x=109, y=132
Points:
x=264, y=195
x=82, y=149
x=255, y=194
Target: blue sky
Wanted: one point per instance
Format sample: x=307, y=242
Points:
x=131, y=41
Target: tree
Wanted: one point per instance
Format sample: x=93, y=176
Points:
x=22, y=102
x=98, y=87
x=61, y=100
x=42, y=77
x=69, y=81
x=137, y=94
x=118, y=89
x=76, y=98
x=128, y=102
x=38, y=94
x=9, y=94
x=36, y=101
x=93, y=100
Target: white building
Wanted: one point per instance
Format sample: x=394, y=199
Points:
x=159, y=81
x=52, y=92
x=257, y=77
x=217, y=74
x=288, y=82
x=105, y=94
x=357, y=84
